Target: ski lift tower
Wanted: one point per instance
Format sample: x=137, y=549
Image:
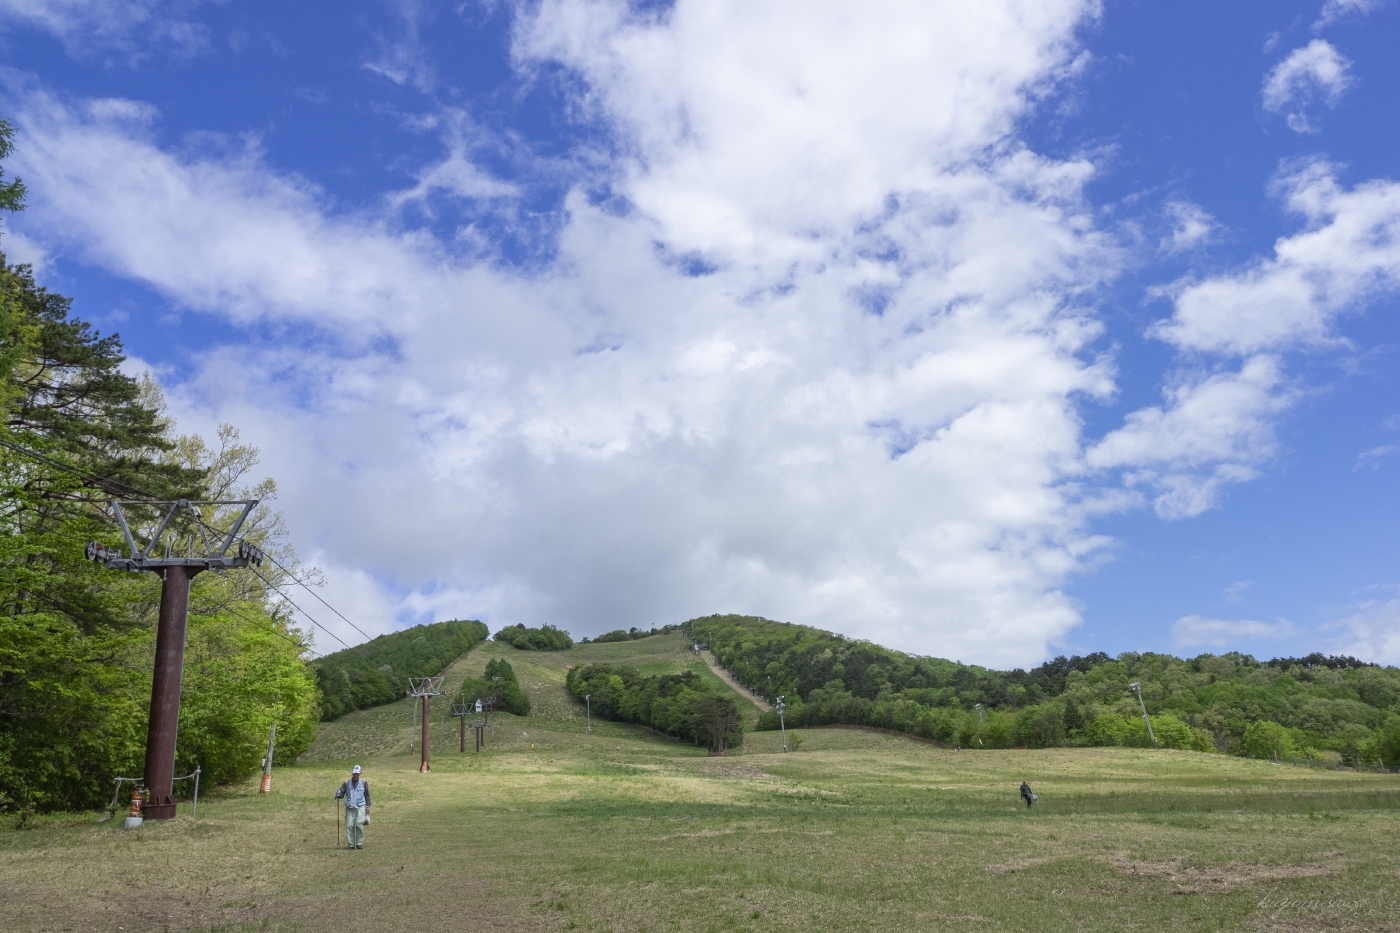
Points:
x=424, y=688
x=462, y=709
x=205, y=549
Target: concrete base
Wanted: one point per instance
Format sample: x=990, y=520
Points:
x=134, y=822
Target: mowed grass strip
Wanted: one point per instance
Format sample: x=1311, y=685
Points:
x=623, y=830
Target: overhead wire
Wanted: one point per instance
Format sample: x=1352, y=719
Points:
x=317, y=595
x=299, y=609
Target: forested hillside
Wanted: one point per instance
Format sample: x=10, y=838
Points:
x=498, y=683
x=377, y=672
x=77, y=640
x=682, y=705
x=1229, y=703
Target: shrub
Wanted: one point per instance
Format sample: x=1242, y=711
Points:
x=1266, y=739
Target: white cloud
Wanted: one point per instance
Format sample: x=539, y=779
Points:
x=863, y=416
x=21, y=250
x=1348, y=254
x=1371, y=459
x=1212, y=431
x=1216, y=428
x=403, y=59
x=1316, y=72
x=1334, y=10
x=1372, y=632
x=1198, y=632
x=131, y=27
x=1191, y=227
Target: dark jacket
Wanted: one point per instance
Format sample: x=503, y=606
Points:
x=1025, y=790
x=345, y=789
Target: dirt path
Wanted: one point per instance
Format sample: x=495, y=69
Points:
x=739, y=688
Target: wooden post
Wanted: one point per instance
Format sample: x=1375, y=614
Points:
x=267, y=762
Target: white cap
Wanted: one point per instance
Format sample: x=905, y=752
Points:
x=355, y=770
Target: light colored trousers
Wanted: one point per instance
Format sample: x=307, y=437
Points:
x=354, y=826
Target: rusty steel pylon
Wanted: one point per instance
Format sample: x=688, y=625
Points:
x=424, y=688
x=176, y=573
x=461, y=709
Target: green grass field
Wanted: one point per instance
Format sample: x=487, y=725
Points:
x=553, y=829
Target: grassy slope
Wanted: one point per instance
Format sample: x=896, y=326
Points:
x=622, y=830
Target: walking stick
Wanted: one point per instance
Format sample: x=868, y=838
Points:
x=339, y=830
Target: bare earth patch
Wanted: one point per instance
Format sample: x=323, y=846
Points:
x=751, y=772
x=1217, y=879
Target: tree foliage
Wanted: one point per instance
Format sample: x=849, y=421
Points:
x=631, y=634
x=544, y=638
x=677, y=704
x=1324, y=703
x=499, y=684
x=377, y=672
x=77, y=641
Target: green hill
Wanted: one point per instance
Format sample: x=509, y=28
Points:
x=1314, y=707
x=377, y=672
x=554, y=827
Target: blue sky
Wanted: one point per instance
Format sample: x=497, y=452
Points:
x=985, y=333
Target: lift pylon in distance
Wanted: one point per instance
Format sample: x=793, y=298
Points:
x=462, y=709
x=426, y=688
x=202, y=552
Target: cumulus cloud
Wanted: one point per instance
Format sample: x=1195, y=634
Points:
x=1334, y=10
x=1191, y=226
x=22, y=250
x=1210, y=432
x=1199, y=632
x=820, y=357
x=824, y=366
x=1372, y=633
x=130, y=27
x=1316, y=73
x=1216, y=426
x=1348, y=253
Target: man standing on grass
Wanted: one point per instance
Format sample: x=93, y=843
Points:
x=1026, y=794
x=356, y=794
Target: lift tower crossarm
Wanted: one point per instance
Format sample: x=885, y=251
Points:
x=140, y=559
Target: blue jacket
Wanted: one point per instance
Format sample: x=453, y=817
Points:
x=356, y=795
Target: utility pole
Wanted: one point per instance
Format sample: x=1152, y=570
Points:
x=425, y=688
x=781, y=723
x=588, y=710
x=1136, y=687
x=175, y=573
x=480, y=728
x=267, y=761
